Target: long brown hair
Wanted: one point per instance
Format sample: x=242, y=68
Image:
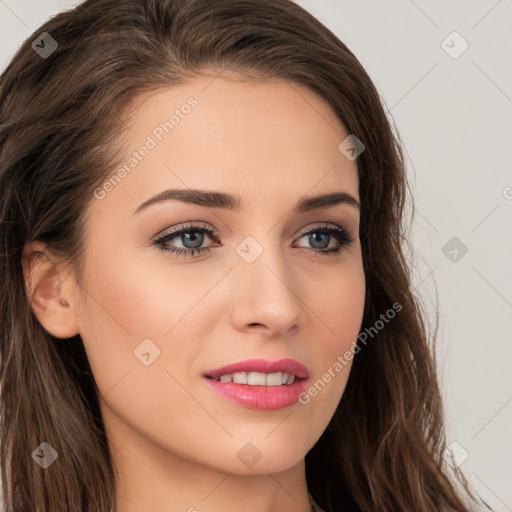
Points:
x=61, y=119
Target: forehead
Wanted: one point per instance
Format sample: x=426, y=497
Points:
x=270, y=138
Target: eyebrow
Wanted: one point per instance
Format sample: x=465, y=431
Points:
x=211, y=199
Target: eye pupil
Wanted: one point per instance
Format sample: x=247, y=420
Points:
x=196, y=237
x=314, y=237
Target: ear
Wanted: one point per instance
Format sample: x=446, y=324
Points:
x=51, y=290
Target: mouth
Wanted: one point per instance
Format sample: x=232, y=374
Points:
x=258, y=383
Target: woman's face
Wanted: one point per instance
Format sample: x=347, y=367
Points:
x=154, y=323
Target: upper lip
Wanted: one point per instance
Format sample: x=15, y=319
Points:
x=263, y=366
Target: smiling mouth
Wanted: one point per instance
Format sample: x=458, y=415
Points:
x=257, y=390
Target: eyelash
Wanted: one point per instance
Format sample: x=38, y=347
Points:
x=341, y=235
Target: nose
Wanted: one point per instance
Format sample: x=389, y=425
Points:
x=266, y=294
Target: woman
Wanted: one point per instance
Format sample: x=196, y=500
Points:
x=202, y=238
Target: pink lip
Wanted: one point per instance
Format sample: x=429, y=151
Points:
x=260, y=397
x=262, y=366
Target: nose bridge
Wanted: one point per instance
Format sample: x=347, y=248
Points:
x=263, y=259
x=265, y=290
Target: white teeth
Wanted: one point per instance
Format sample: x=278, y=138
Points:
x=274, y=379
x=240, y=378
x=259, y=379
x=256, y=379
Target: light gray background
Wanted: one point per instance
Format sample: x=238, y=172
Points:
x=454, y=116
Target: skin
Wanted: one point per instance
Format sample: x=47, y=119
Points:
x=174, y=442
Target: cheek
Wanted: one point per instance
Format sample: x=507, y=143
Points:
x=132, y=300
x=138, y=300
x=339, y=307
x=122, y=309
x=340, y=303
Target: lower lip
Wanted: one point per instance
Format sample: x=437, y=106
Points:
x=266, y=398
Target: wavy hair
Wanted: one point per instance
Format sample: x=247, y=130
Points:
x=61, y=125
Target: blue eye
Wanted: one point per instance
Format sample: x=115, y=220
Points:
x=189, y=235
x=192, y=237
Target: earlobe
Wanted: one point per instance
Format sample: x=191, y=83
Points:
x=51, y=290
